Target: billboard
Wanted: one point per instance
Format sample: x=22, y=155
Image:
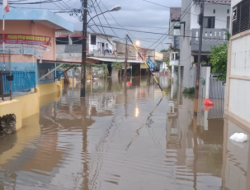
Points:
x=25, y=44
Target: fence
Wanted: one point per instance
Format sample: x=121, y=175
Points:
x=217, y=89
x=59, y=74
x=23, y=81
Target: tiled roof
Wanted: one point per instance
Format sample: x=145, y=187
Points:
x=175, y=13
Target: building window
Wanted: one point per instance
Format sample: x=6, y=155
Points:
x=93, y=40
x=214, y=11
x=228, y=22
x=44, y=71
x=208, y=22
x=228, y=11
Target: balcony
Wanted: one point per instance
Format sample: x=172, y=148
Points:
x=211, y=37
x=174, y=59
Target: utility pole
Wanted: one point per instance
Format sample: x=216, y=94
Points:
x=197, y=85
x=126, y=58
x=84, y=47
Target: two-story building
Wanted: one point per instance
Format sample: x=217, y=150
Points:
x=69, y=45
x=174, y=35
x=29, y=59
x=216, y=20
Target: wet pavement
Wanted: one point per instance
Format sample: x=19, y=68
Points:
x=125, y=138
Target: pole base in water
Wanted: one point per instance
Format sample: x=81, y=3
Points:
x=82, y=92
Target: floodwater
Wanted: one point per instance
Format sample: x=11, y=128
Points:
x=125, y=138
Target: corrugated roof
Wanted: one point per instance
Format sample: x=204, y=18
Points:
x=76, y=35
x=175, y=13
x=62, y=36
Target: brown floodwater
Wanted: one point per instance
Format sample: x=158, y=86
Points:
x=125, y=137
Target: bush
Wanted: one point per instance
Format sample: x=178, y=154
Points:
x=189, y=91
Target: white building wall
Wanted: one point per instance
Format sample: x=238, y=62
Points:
x=239, y=89
x=100, y=39
x=185, y=48
x=220, y=15
x=235, y=2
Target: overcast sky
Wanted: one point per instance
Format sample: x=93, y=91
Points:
x=135, y=14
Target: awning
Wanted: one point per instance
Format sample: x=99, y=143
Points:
x=62, y=36
x=76, y=35
x=73, y=62
x=113, y=60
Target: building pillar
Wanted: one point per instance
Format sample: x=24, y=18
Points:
x=172, y=71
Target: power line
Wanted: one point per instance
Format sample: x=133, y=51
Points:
x=189, y=12
x=107, y=20
x=33, y=3
x=164, y=34
x=170, y=29
x=116, y=20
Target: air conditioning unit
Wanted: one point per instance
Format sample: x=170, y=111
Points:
x=240, y=17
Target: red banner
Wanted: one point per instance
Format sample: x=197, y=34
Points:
x=25, y=39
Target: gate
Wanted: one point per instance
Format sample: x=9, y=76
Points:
x=217, y=89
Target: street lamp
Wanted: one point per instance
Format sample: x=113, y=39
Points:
x=137, y=43
x=115, y=8
x=84, y=41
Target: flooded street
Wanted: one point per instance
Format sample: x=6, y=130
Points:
x=124, y=137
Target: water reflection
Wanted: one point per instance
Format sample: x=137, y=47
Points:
x=125, y=137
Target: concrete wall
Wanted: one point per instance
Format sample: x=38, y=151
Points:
x=120, y=48
x=235, y=2
x=204, y=88
x=238, y=78
x=26, y=27
x=185, y=48
x=29, y=105
x=220, y=15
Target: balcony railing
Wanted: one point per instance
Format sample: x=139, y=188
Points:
x=210, y=37
x=22, y=81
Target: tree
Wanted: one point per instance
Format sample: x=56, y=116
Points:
x=218, y=59
x=164, y=50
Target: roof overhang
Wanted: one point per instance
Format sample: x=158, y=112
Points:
x=70, y=62
x=114, y=60
x=42, y=16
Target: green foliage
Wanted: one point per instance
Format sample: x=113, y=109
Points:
x=227, y=34
x=189, y=91
x=218, y=59
x=164, y=50
x=118, y=65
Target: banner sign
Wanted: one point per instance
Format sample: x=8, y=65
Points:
x=25, y=44
x=25, y=39
x=151, y=64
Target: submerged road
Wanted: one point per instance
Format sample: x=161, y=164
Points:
x=124, y=137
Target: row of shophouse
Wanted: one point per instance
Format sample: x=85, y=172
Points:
x=105, y=49
x=30, y=55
